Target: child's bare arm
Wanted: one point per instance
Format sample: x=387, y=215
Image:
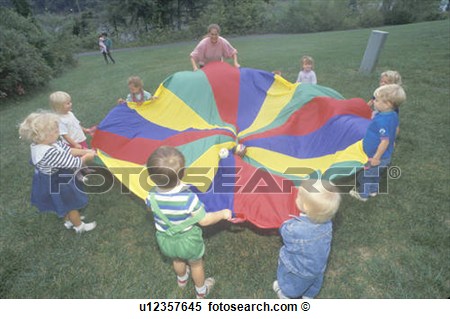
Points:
x=80, y=152
x=382, y=147
x=215, y=217
x=72, y=143
x=88, y=157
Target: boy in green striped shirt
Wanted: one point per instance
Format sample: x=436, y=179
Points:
x=177, y=211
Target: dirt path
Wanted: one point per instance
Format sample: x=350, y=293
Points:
x=175, y=44
x=137, y=48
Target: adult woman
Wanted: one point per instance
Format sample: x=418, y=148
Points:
x=213, y=48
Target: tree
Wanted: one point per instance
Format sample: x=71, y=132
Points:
x=408, y=11
x=22, y=7
x=29, y=57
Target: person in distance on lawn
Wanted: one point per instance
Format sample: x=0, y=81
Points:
x=107, y=48
x=307, y=74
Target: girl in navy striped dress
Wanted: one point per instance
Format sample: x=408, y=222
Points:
x=54, y=187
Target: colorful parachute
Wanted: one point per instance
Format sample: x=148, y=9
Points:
x=291, y=131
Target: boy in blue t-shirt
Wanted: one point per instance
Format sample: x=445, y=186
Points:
x=378, y=143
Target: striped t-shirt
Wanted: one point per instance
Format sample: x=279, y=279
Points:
x=178, y=205
x=48, y=159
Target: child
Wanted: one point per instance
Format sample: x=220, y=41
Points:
x=307, y=75
x=307, y=241
x=106, y=47
x=54, y=187
x=176, y=212
x=387, y=77
x=102, y=47
x=69, y=126
x=378, y=143
x=137, y=92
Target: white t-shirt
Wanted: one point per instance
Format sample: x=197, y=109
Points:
x=69, y=124
x=307, y=77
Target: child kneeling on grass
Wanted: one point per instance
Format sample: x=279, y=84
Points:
x=176, y=212
x=54, y=187
x=378, y=143
x=307, y=241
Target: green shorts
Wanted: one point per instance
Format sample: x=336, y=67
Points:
x=187, y=245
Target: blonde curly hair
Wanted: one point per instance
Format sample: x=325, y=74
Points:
x=392, y=77
x=38, y=126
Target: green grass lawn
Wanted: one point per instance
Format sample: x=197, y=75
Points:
x=394, y=246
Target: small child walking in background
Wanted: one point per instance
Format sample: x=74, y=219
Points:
x=137, y=93
x=307, y=241
x=378, y=143
x=69, y=126
x=176, y=212
x=54, y=187
x=306, y=74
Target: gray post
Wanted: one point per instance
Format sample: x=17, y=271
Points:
x=373, y=50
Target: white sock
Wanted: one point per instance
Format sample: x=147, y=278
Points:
x=183, y=278
x=201, y=290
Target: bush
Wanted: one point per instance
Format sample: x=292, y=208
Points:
x=58, y=53
x=22, y=67
x=234, y=17
x=29, y=57
x=371, y=17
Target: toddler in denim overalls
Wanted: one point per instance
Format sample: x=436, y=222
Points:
x=307, y=241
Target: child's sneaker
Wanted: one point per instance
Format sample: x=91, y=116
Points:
x=209, y=283
x=85, y=227
x=81, y=178
x=183, y=283
x=68, y=224
x=278, y=291
x=355, y=194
